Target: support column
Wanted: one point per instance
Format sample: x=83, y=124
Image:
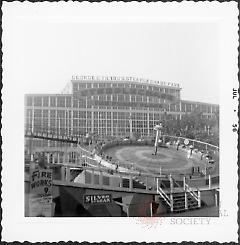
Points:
x=111, y=123
x=48, y=157
x=100, y=178
x=68, y=158
x=171, y=202
x=184, y=183
x=63, y=173
x=151, y=213
x=171, y=183
x=65, y=157
x=216, y=199
x=209, y=181
x=68, y=174
x=130, y=182
x=186, y=201
x=199, y=199
x=148, y=130
x=92, y=123
x=48, y=131
x=180, y=109
x=71, y=127
x=58, y=157
x=127, y=210
x=130, y=125
x=92, y=177
x=146, y=183
x=120, y=178
x=55, y=157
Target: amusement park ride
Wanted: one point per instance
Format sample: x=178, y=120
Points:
x=98, y=175
x=158, y=129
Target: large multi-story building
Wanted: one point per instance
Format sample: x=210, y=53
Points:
x=104, y=105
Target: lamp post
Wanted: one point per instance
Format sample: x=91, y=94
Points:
x=208, y=129
x=158, y=128
x=88, y=139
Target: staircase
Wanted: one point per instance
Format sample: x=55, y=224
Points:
x=179, y=199
x=179, y=203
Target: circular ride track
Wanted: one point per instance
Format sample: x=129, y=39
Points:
x=168, y=159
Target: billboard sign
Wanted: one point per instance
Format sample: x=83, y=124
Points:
x=97, y=199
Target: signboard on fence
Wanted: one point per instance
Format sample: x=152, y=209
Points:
x=97, y=199
x=41, y=182
x=40, y=196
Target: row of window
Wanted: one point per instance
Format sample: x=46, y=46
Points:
x=65, y=101
x=46, y=101
x=187, y=107
x=65, y=126
x=80, y=86
x=59, y=116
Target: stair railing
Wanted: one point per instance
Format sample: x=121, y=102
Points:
x=176, y=183
x=166, y=198
x=197, y=197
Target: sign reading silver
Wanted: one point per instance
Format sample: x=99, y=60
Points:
x=95, y=199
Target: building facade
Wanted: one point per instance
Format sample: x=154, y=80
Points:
x=104, y=106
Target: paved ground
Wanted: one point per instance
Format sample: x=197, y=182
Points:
x=170, y=160
x=203, y=212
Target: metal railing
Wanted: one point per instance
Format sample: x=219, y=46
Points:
x=168, y=200
x=196, y=143
x=197, y=197
x=88, y=160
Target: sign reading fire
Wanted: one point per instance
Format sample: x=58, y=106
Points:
x=41, y=182
x=40, y=198
x=96, y=199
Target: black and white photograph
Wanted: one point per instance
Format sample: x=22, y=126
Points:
x=126, y=111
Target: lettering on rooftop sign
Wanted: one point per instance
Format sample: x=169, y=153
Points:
x=131, y=79
x=96, y=199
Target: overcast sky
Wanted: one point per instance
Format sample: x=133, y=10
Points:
x=47, y=53
x=41, y=53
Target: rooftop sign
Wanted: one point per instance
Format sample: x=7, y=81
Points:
x=128, y=79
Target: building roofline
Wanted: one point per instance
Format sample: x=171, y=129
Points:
x=48, y=94
x=125, y=79
x=199, y=102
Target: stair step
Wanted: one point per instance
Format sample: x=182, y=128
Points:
x=182, y=198
x=193, y=208
x=179, y=210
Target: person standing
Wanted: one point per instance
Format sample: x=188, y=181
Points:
x=178, y=144
x=191, y=150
